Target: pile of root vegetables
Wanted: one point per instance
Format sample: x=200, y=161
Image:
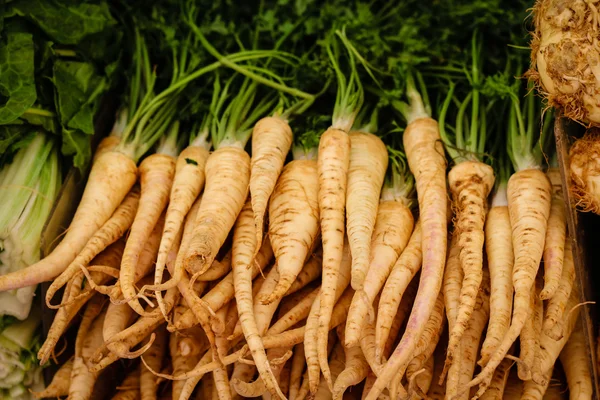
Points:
x=231, y=244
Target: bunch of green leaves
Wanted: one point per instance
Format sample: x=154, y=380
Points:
x=57, y=59
x=465, y=110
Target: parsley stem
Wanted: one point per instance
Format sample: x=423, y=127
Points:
x=39, y=111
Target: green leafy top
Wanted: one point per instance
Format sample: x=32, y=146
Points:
x=466, y=139
x=399, y=184
x=232, y=117
x=57, y=59
x=527, y=132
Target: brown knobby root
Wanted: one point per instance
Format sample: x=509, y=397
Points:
x=565, y=58
x=584, y=169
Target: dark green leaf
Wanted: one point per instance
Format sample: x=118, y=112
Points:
x=77, y=144
x=66, y=22
x=12, y=139
x=46, y=122
x=17, y=81
x=77, y=89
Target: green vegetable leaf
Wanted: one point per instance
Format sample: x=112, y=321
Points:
x=12, y=139
x=78, y=91
x=66, y=22
x=17, y=81
x=77, y=144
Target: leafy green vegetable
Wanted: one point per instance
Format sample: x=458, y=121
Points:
x=78, y=90
x=17, y=81
x=12, y=139
x=66, y=21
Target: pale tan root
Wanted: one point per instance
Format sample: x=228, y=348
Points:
x=217, y=322
x=89, y=337
x=549, y=348
x=451, y=288
x=263, y=313
x=529, y=195
x=144, y=266
x=310, y=272
x=156, y=177
x=403, y=271
x=554, y=246
x=496, y=388
x=355, y=369
x=393, y=229
x=311, y=332
x=187, y=185
x=425, y=155
x=111, y=231
x=453, y=277
x=191, y=382
x=574, y=360
x=535, y=391
x=500, y=256
x=327, y=302
x=107, y=143
x=366, y=172
x=428, y=340
x=420, y=380
x=133, y=335
x=277, y=359
x=469, y=345
x=65, y=315
x=254, y=318
x=293, y=221
x=333, y=165
x=175, y=257
x=367, y=346
x=336, y=360
x=557, y=305
x=154, y=358
x=118, y=318
x=381, y=355
x=285, y=339
x=222, y=388
x=291, y=301
x=180, y=363
x=227, y=178
x=527, y=341
x=224, y=291
x=296, y=314
x=271, y=141
x=296, y=371
x=112, y=176
x=470, y=183
x=217, y=270
x=61, y=381
x=242, y=372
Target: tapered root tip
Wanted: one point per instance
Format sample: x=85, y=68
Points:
x=357, y=282
x=280, y=290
